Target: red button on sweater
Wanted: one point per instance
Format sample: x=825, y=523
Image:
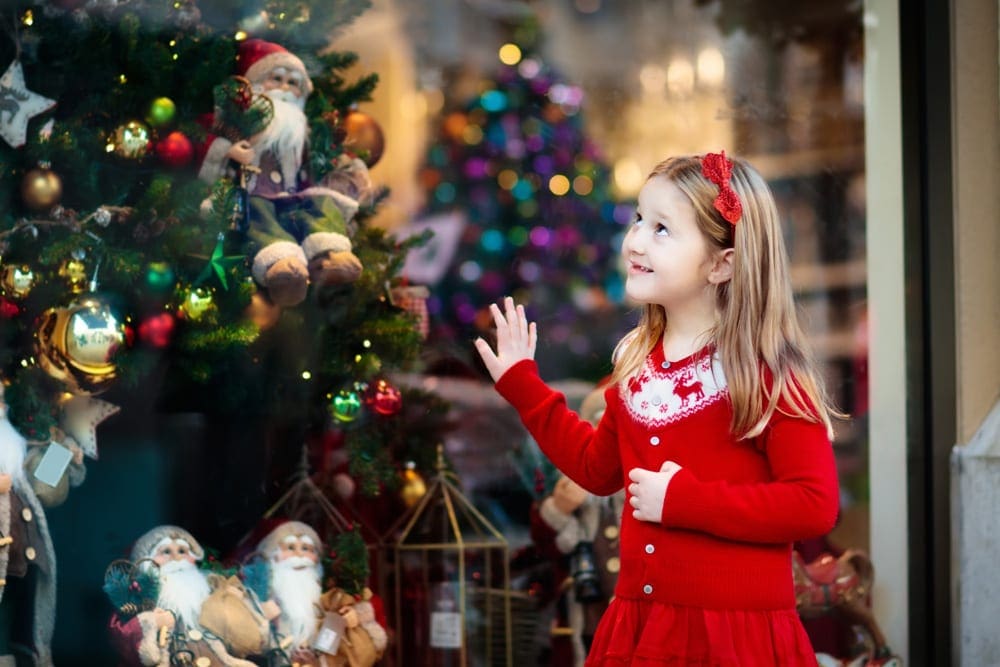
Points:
x=730, y=514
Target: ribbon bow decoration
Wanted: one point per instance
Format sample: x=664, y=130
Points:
x=717, y=168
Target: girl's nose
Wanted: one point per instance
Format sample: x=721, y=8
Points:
x=634, y=243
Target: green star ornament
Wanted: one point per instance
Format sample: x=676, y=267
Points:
x=219, y=264
x=18, y=105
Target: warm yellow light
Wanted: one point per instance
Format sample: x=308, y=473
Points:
x=507, y=179
x=711, y=67
x=653, y=79
x=583, y=185
x=628, y=175
x=240, y=35
x=306, y=375
x=559, y=185
x=28, y=18
x=510, y=54
x=122, y=78
x=680, y=76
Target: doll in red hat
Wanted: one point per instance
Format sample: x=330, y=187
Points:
x=300, y=231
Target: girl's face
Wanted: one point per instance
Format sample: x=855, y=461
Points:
x=668, y=259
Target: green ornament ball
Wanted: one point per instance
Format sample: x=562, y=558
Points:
x=160, y=276
x=161, y=112
x=345, y=406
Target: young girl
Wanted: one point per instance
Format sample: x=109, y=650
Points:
x=716, y=425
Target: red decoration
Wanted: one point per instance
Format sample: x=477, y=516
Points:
x=175, y=150
x=8, y=309
x=717, y=168
x=383, y=398
x=158, y=329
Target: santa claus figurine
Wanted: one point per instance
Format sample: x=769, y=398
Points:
x=173, y=626
x=300, y=230
x=27, y=559
x=317, y=627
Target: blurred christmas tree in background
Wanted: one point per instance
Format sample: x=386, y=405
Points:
x=540, y=222
x=125, y=275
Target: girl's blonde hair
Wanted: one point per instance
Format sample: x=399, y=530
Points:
x=757, y=333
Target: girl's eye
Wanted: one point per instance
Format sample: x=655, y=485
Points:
x=637, y=219
x=661, y=230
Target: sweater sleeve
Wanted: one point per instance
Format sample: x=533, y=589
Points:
x=800, y=501
x=587, y=455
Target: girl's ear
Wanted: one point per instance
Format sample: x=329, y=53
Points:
x=722, y=268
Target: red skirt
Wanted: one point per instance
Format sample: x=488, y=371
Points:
x=634, y=633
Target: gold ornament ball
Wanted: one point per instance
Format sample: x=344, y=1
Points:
x=17, y=280
x=74, y=272
x=132, y=140
x=77, y=344
x=363, y=136
x=197, y=303
x=41, y=189
x=414, y=488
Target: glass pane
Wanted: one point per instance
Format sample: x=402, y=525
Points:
x=186, y=337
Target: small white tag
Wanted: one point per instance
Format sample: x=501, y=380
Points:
x=330, y=633
x=53, y=464
x=446, y=629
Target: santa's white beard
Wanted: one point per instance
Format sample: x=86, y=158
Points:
x=285, y=136
x=183, y=589
x=297, y=592
x=12, y=450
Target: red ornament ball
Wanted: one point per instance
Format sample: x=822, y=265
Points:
x=175, y=149
x=384, y=399
x=157, y=330
x=8, y=309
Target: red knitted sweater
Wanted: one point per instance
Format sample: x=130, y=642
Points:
x=729, y=515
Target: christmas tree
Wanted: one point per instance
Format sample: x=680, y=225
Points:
x=540, y=221
x=147, y=272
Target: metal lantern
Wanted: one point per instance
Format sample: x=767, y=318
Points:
x=451, y=581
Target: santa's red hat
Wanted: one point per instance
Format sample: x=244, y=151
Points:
x=257, y=57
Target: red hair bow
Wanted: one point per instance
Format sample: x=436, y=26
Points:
x=717, y=168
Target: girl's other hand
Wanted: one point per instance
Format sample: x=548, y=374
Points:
x=516, y=339
x=648, y=489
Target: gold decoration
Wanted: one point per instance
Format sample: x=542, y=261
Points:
x=41, y=189
x=413, y=488
x=363, y=136
x=17, y=280
x=131, y=140
x=74, y=272
x=77, y=344
x=198, y=301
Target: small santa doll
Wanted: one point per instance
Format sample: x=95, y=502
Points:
x=144, y=639
x=300, y=230
x=296, y=586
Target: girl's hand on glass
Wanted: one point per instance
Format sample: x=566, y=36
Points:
x=648, y=490
x=516, y=339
